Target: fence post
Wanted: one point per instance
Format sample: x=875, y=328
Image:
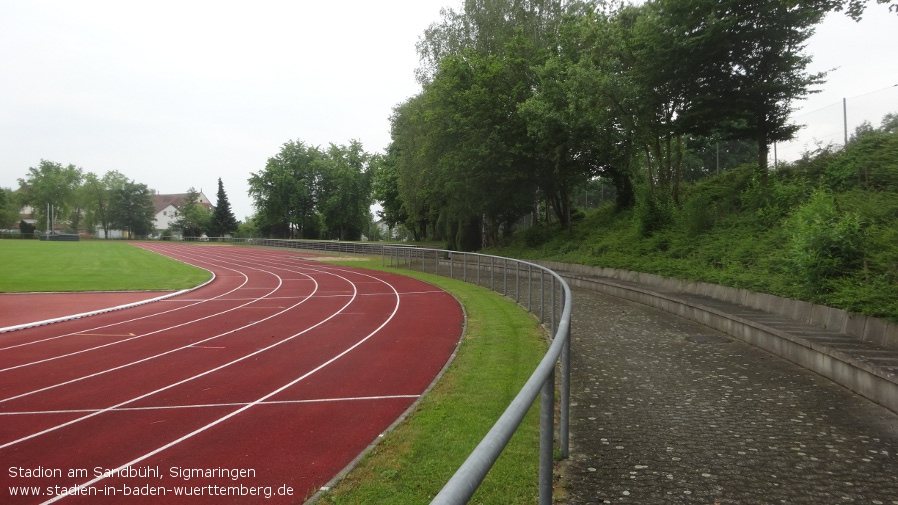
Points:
x=546, y=432
x=478, y=269
x=529, y=288
x=565, y=418
x=505, y=277
x=552, y=300
x=492, y=274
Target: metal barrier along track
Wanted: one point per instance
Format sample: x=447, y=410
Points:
x=513, y=279
x=543, y=293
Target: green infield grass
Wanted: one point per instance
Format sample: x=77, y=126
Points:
x=501, y=347
x=36, y=266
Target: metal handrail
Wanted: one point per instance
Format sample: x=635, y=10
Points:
x=464, y=483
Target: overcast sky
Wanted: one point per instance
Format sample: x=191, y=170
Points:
x=175, y=94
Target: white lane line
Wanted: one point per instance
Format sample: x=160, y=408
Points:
x=202, y=260
x=142, y=335
x=218, y=405
x=202, y=374
x=200, y=301
x=143, y=360
x=245, y=407
x=60, y=319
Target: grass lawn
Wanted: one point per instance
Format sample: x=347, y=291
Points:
x=501, y=348
x=36, y=266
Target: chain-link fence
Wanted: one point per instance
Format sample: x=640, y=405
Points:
x=835, y=124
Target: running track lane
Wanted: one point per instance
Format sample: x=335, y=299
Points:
x=280, y=372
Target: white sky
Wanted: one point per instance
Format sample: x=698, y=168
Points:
x=175, y=94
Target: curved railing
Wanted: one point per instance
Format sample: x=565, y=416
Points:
x=543, y=289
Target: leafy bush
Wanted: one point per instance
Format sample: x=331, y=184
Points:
x=772, y=200
x=699, y=214
x=654, y=211
x=826, y=242
x=536, y=236
x=868, y=162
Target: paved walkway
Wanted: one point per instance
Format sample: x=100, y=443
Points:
x=665, y=410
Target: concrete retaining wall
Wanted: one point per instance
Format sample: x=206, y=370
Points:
x=851, y=371
x=870, y=329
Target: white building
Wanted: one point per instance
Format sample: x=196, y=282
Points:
x=166, y=208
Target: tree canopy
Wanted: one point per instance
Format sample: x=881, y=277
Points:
x=308, y=192
x=131, y=209
x=50, y=189
x=193, y=218
x=525, y=103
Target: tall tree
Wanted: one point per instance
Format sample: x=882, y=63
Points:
x=345, y=191
x=97, y=194
x=223, y=221
x=50, y=186
x=574, y=113
x=409, y=152
x=478, y=141
x=739, y=63
x=9, y=209
x=193, y=218
x=286, y=191
x=131, y=209
x=385, y=188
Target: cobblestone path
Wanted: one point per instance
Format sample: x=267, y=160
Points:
x=665, y=410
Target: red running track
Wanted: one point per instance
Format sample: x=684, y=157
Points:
x=262, y=384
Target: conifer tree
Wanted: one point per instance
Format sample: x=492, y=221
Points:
x=223, y=220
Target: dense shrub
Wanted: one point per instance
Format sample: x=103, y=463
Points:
x=869, y=162
x=827, y=242
x=654, y=212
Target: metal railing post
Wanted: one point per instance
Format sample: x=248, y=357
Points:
x=542, y=297
x=565, y=412
x=546, y=434
x=552, y=300
x=505, y=277
x=529, y=288
x=478, y=269
x=492, y=274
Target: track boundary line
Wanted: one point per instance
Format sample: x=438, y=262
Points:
x=142, y=335
x=202, y=374
x=256, y=402
x=215, y=405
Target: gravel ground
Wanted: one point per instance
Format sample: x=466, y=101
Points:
x=665, y=410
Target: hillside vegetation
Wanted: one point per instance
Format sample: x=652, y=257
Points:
x=823, y=229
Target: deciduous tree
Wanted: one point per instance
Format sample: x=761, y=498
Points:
x=131, y=209
x=193, y=218
x=50, y=185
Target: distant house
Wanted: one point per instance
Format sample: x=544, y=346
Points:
x=166, y=208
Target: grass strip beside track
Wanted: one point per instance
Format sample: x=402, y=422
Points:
x=37, y=266
x=501, y=348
